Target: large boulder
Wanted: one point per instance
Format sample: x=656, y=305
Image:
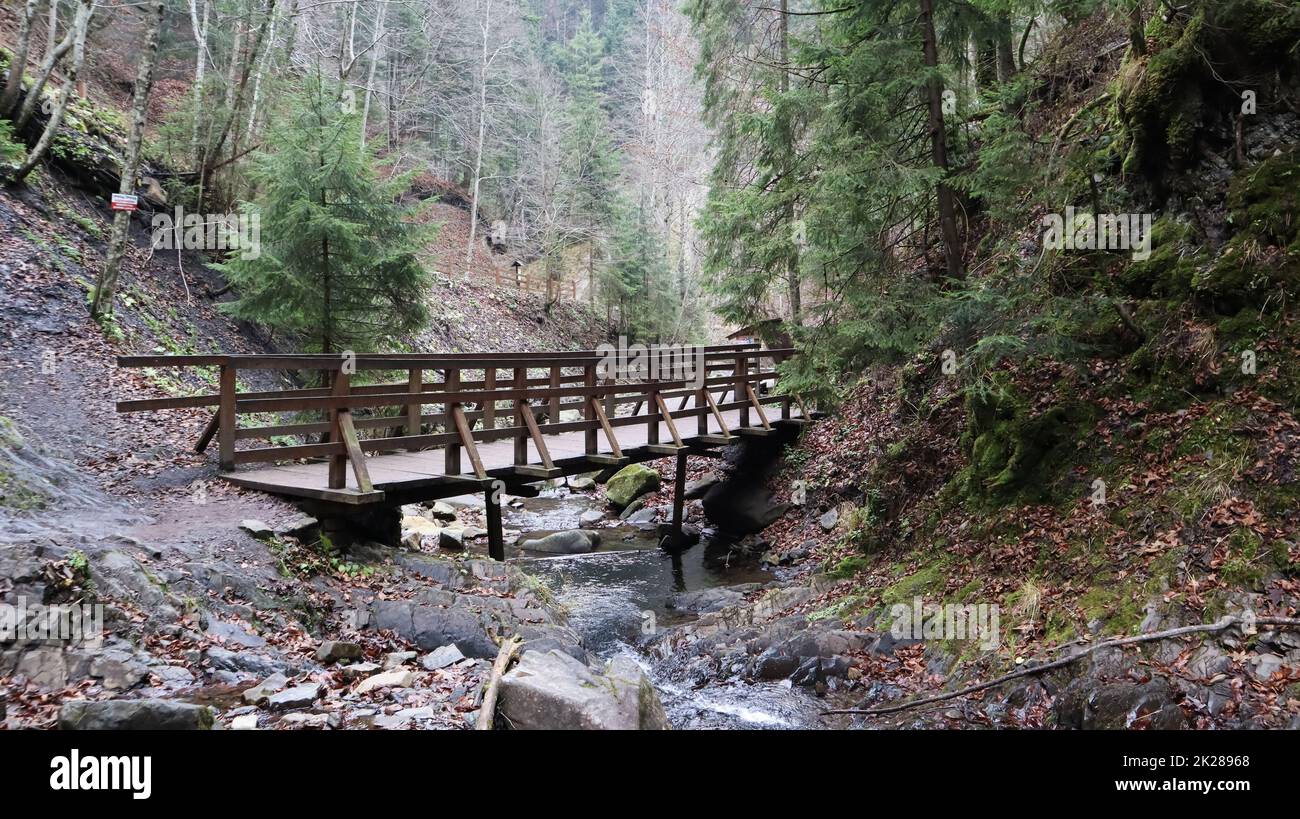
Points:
x=630, y=483
x=742, y=509
x=570, y=542
x=554, y=691
x=134, y=715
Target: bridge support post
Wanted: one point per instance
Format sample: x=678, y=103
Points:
x=679, y=498
x=492, y=509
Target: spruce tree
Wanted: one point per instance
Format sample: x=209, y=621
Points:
x=337, y=266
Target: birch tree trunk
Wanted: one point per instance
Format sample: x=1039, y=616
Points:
x=370, y=78
x=43, y=74
x=478, y=146
x=85, y=9
x=200, y=69
x=19, y=64
x=52, y=27
x=103, y=301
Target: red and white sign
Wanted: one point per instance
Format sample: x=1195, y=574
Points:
x=125, y=201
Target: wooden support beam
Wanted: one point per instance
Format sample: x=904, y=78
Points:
x=668, y=419
x=740, y=371
x=492, y=516
x=753, y=399
x=467, y=439
x=679, y=498
x=210, y=430
x=536, y=433
x=355, y=456
x=604, y=424
x=717, y=413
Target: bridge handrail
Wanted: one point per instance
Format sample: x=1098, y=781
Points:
x=597, y=402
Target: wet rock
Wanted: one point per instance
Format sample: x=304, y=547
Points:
x=699, y=488
x=261, y=692
x=442, y=511
x=451, y=540
x=244, y=722
x=691, y=534
x=134, y=715
x=742, y=511
x=398, y=678
x=118, y=673
x=257, y=664
x=590, y=517
x=830, y=520
x=300, y=696
x=570, y=542
x=396, y=659
x=332, y=651
x=228, y=633
x=303, y=528
x=632, y=508
x=554, y=691
x=630, y=483
x=441, y=657
x=256, y=528
x=357, y=671
x=715, y=599
x=641, y=517
x=300, y=720
x=582, y=483
x=432, y=626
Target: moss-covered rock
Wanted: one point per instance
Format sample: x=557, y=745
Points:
x=630, y=483
x=1014, y=450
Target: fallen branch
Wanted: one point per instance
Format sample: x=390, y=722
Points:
x=1221, y=625
x=487, y=712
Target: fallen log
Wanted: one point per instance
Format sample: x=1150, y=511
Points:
x=1221, y=625
x=487, y=713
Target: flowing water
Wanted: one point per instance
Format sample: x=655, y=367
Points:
x=621, y=592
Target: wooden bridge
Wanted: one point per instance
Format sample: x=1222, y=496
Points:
x=467, y=422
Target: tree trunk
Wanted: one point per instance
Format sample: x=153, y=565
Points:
x=103, y=301
x=200, y=69
x=52, y=27
x=85, y=9
x=33, y=97
x=952, y=249
x=261, y=70
x=792, y=259
x=1006, y=50
x=19, y=64
x=370, y=78
x=478, y=148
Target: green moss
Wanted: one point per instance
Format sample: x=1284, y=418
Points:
x=848, y=567
x=1246, y=563
x=1169, y=270
x=1114, y=604
x=928, y=579
x=1016, y=452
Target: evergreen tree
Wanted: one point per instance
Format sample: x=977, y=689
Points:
x=338, y=263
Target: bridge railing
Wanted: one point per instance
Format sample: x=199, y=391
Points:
x=455, y=401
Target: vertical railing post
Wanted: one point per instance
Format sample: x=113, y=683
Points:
x=452, y=465
x=554, y=404
x=227, y=420
x=521, y=406
x=490, y=406
x=338, y=467
x=652, y=411
x=588, y=409
x=414, y=385
x=738, y=389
